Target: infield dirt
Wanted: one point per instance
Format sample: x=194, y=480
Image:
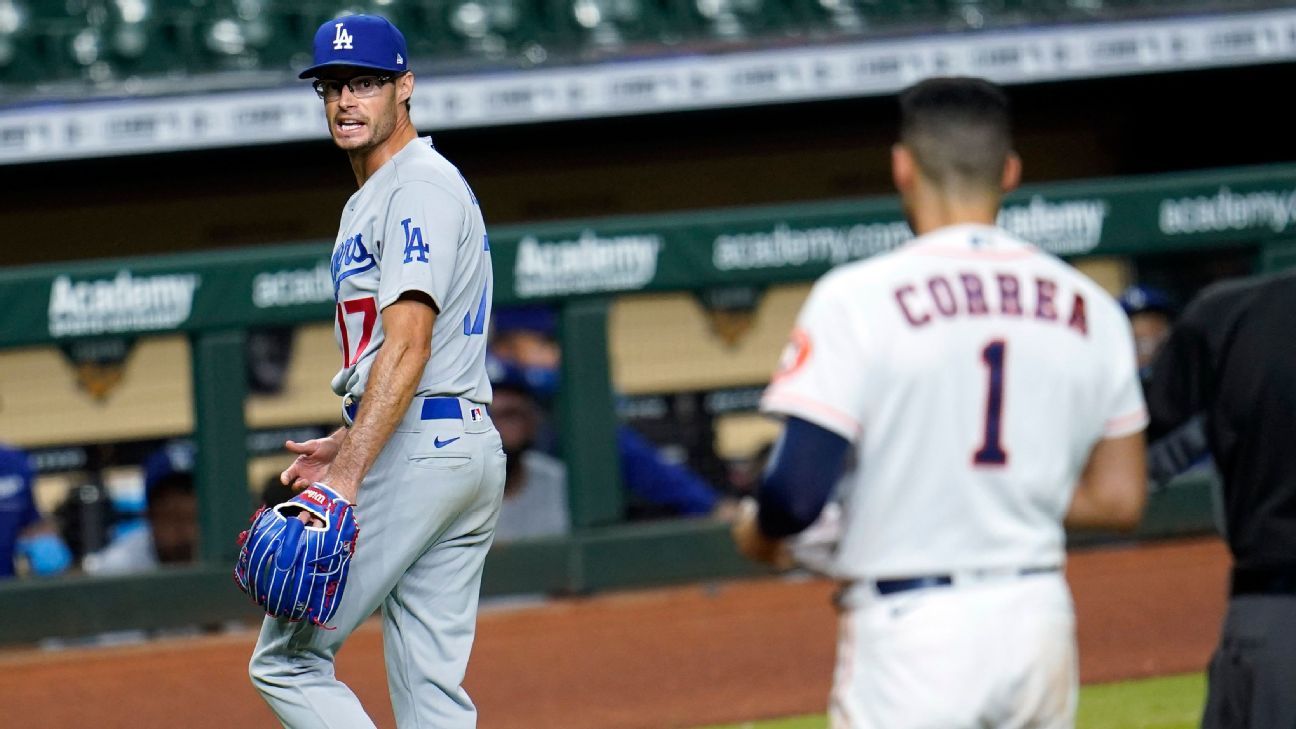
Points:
x=679, y=657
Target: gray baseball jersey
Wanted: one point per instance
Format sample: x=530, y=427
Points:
x=430, y=502
x=415, y=225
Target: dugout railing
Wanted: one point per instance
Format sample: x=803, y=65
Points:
x=216, y=298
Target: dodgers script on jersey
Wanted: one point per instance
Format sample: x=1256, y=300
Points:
x=414, y=226
x=973, y=373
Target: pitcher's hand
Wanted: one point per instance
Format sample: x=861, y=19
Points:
x=312, y=462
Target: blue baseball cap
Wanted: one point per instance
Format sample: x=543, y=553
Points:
x=364, y=41
x=538, y=319
x=1139, y=298
x=506, y=375
x=175, y=458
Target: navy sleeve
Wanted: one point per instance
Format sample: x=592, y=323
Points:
x=645, y=473
x=806, y=464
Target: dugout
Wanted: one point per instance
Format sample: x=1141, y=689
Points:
x=628, y=293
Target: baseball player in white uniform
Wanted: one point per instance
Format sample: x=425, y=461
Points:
x=990, y=395
x=420, y=458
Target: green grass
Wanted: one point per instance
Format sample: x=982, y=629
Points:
x=800, y=722
x=1173, y=702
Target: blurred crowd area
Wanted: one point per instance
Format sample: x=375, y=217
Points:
x=48, y=47
x=688, y=370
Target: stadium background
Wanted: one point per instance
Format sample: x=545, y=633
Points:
x=90, y=409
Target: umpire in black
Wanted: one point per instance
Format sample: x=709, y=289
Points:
x=1232, y=358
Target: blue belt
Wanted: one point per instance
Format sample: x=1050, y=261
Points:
x=441, y=408
x=904, y=584
x=434, y=408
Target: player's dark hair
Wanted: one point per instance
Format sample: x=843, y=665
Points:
x=177, y=484
x=959, y=131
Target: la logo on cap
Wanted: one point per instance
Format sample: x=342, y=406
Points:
x=342, y=40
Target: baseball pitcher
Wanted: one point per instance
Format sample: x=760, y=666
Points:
x=399, y=507
x=990, y=394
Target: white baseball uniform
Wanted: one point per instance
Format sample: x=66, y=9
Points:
x=427, y=509
x=973, y=374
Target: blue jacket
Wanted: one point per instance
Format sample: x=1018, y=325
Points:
x=653, y=479
x=17, y=505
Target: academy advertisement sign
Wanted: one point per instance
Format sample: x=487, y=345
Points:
x=693, y=251
x=121, y=304
x=1224, y=211
x=585, y=264
x=786, y=245
x=1063, y=228
x=293, y=287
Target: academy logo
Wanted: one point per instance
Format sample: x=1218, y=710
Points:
x=588, y=263
x=1062, y=228
x=341, y=41
x=125, y=303
x=292, y=287
x=786, y=246
x=1226, y=210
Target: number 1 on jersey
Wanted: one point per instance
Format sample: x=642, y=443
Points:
x=991, y=452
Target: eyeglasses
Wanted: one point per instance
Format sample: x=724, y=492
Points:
x=362, y=87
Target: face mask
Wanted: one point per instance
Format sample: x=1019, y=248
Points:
x=46, y=554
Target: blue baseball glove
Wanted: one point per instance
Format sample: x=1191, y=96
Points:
x=294, y=570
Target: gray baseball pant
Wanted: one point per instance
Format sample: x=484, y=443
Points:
x=426, y=515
